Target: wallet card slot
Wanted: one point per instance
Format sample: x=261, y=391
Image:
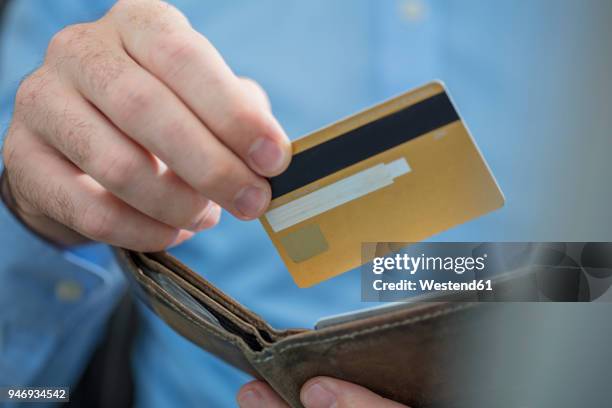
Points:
x=154, y=293
x=184, y=298
x=197, y=300
x=267, y=333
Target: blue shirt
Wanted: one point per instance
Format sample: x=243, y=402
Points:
x=530, y=78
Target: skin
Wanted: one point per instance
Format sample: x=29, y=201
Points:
x=135, y=132
x=319, y=392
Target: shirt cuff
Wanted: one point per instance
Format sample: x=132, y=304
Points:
x=49, y=298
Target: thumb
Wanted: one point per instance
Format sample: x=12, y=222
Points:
x=325, y=392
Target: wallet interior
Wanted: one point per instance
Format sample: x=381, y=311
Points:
x=196, y=297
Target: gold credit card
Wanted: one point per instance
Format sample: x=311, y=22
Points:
x=400, y=171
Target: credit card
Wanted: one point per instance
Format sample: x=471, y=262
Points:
x=401, y=171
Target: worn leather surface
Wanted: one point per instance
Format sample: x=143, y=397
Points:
x=432, y=354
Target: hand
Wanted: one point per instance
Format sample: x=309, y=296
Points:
x=319, y=392
x=134, y=132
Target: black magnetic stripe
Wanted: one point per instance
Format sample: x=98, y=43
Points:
x=366, y=141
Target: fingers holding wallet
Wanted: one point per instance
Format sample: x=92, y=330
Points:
x=319, y=392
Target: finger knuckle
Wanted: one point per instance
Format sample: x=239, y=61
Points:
x=194, y=211
x=21, y=187
x=30, y=89
x=132, y=101
x=128, y=6
x=26, y=93
x=67, y=39
x=145, y=14
x=72, y=134
x=119, y=173
x=9, y=148
x=100, y=66
x=186, y=208
x=99, y=221
x=214, y=175
x=13, y=151
x=60, y=41
x=32, y=99
x=165, y=11
x=174, y=131
x=254, y=86
x=256, y=91
x=171, y=53
x=249, y=116
x=179, y=221
x=62, y=207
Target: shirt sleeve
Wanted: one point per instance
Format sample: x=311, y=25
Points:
x=53, y=303
x=53, y=306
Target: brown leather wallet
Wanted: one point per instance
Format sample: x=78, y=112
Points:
x=395, y=354
x=424, y=354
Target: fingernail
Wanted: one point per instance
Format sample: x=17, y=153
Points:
x=201, y=221
x=267, y=155
x=317, y=396
x=250, y=399
x=250, y=201
x=212, y=219
x=182, y=236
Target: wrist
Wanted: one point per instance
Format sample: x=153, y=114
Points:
x=41, y=225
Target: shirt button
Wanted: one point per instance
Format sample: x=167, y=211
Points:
x=68, y=291
x=413, y=10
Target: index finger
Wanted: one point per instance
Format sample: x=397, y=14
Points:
x=165, y=44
